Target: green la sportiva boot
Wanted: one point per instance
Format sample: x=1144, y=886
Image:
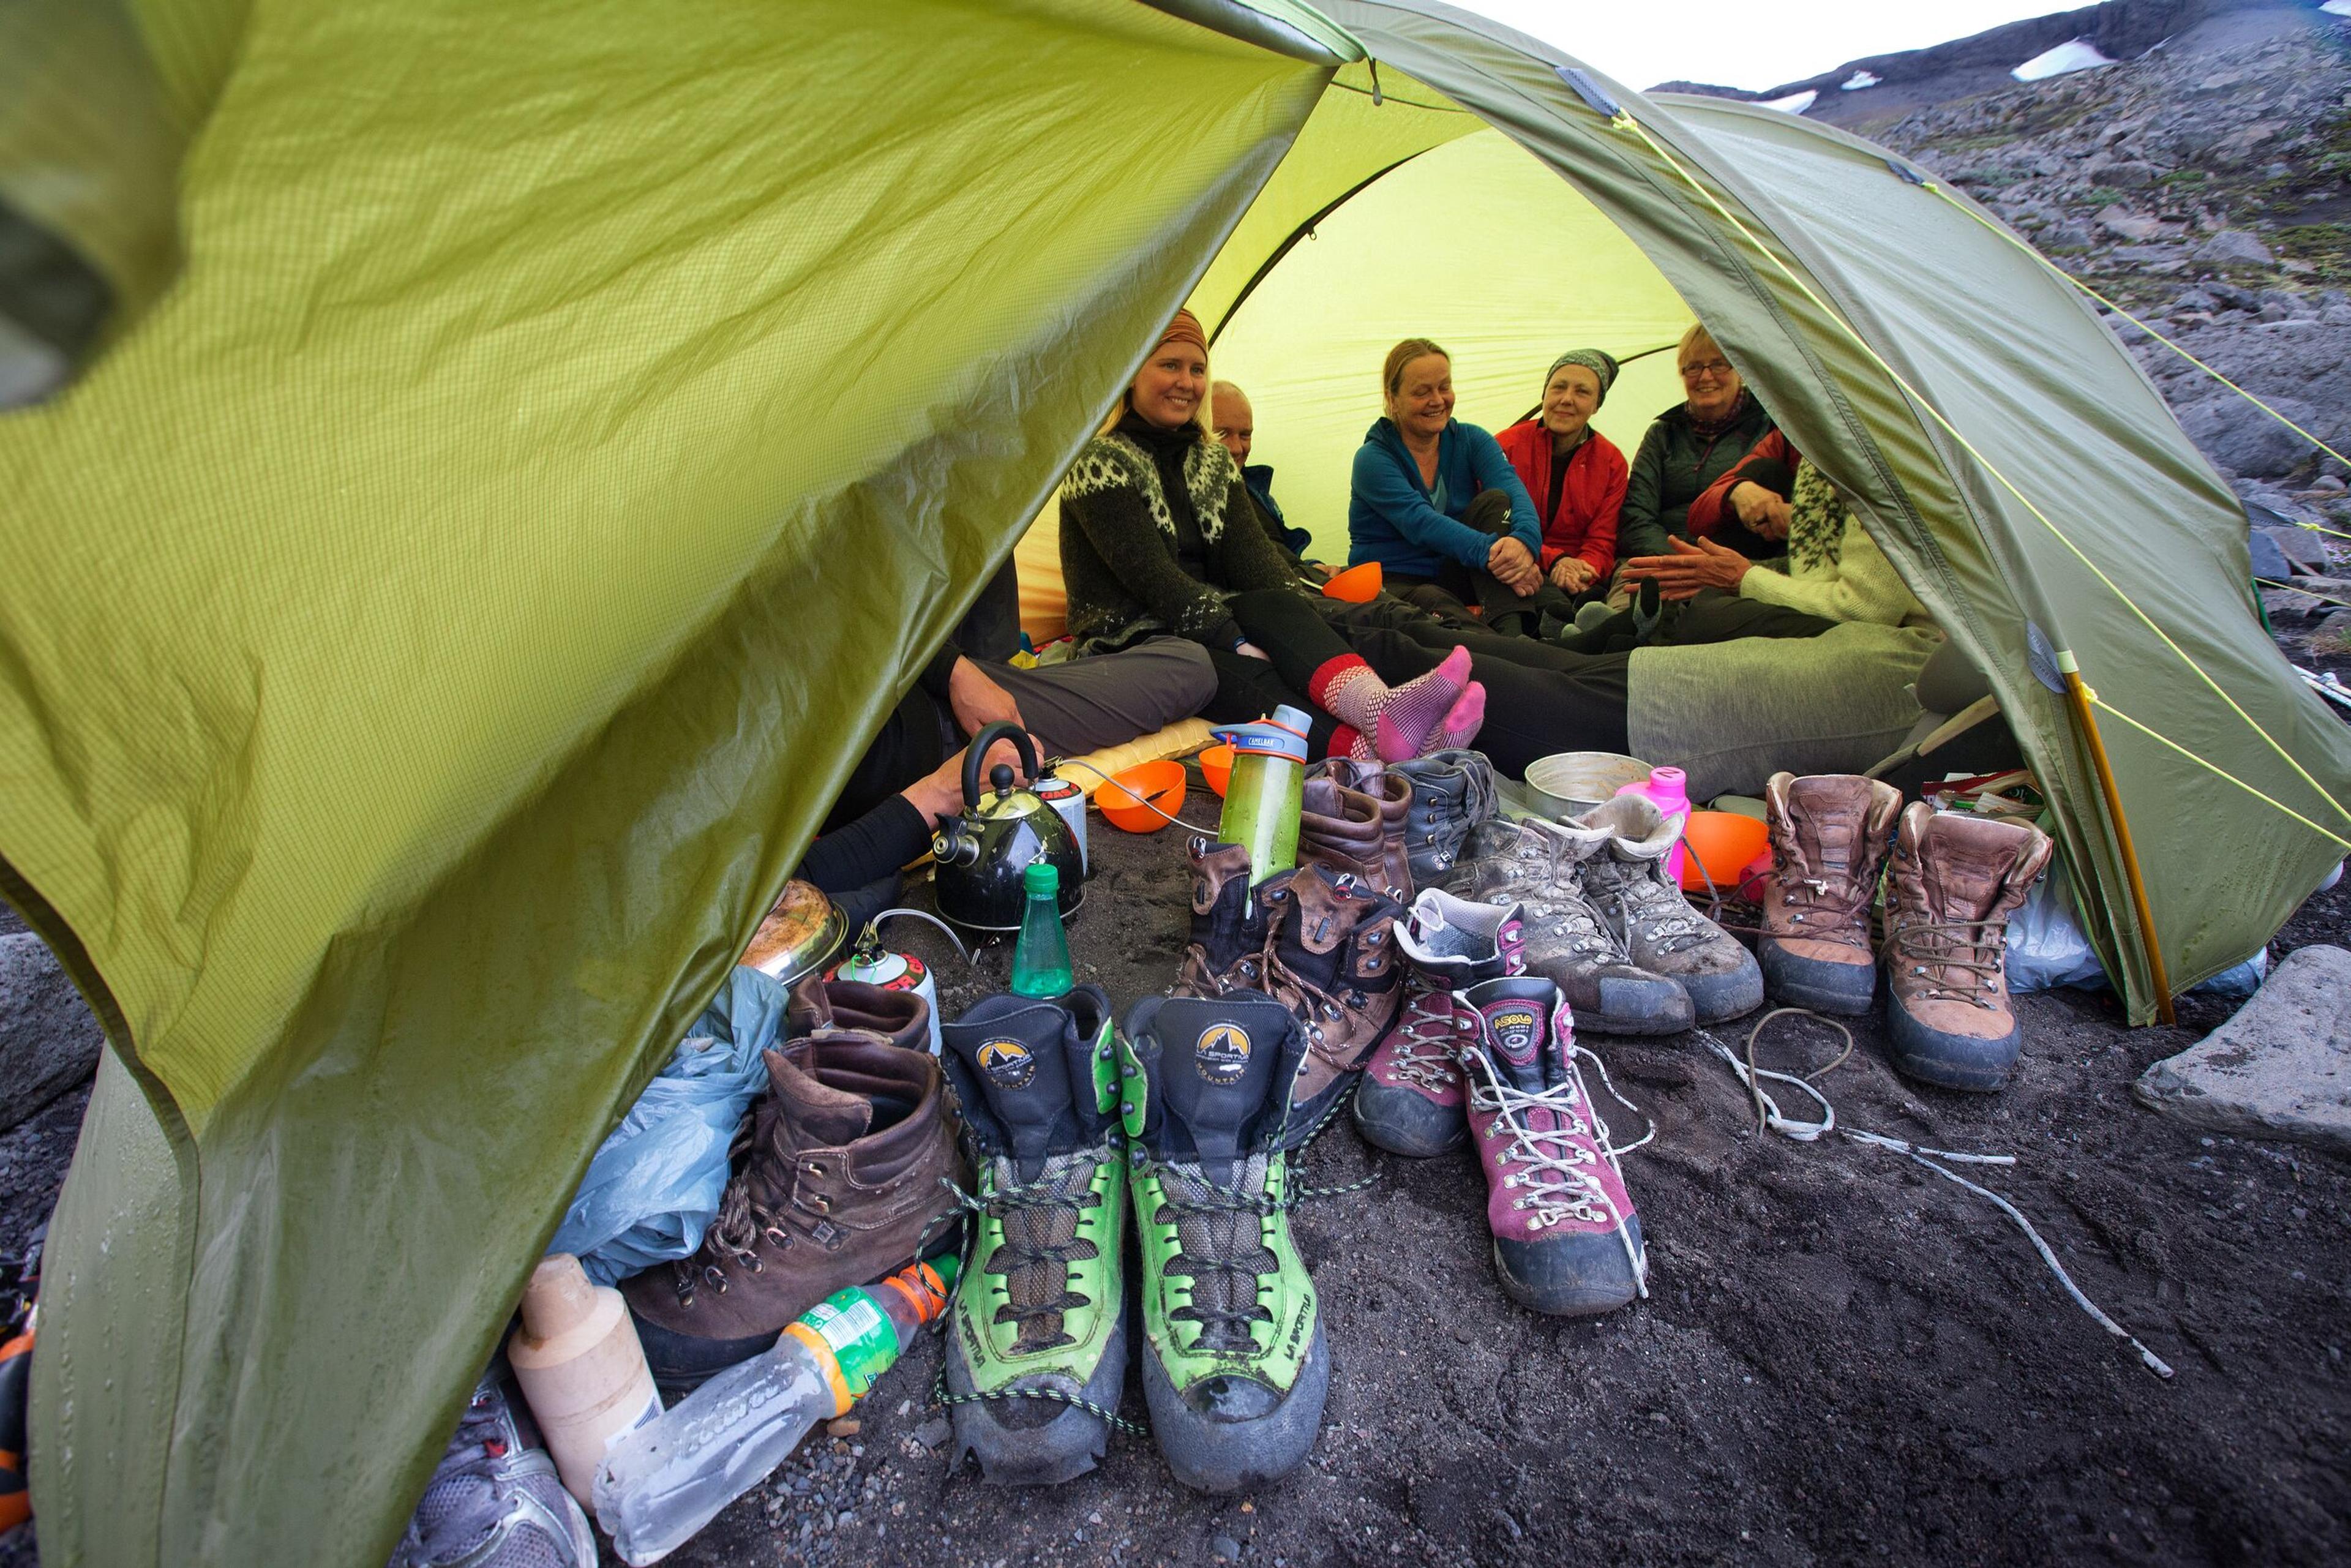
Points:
x=1037, y=1335
x=1237, y=1369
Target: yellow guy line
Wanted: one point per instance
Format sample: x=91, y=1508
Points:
x=2100, y=701
x=2013, y=239
x=2057, y=533
x=2290, y=588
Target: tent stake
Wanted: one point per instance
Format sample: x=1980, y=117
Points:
x=2078, y=696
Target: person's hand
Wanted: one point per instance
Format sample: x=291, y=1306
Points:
x=1318, y=571
x=978, y=701
x=1691, y=567
x=1515, y=564
x=1763, y=512
x=1572, y=574
x=939, y=792
x=1251, y=651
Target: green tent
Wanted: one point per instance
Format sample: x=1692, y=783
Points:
x=529, y=446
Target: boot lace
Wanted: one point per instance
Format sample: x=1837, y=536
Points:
x=1220, y=1234
x=1556, y=1170
x=1637, y=900
x=734, y=1236
x=1424, y=1041
x=1830, y=908
x=1039, y=1222
x=1976, y=949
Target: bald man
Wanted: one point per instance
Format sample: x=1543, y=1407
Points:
x=1236, y=426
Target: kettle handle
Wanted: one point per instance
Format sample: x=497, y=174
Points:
x=976, y=753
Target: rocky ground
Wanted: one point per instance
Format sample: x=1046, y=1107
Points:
x=1843, y=1357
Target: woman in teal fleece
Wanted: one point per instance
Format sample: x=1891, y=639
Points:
x=1435, y=501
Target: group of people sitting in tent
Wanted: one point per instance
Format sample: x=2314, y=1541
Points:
x=1715, y=604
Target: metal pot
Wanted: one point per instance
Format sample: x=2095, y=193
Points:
x=798, y=936
x=982, y=852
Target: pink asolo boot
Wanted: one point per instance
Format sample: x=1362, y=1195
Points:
x=1566, y=1240
x=1411, y=1101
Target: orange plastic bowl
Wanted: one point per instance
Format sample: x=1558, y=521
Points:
x=1730, y=844
x=1122, y=798
x=1356, y=585
x=1216, y=766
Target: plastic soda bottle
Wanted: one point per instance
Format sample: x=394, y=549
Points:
x=1263, y=795
x=1669, y=789
x=1041, y=956
x=666, y=1481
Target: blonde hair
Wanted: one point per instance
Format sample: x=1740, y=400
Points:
x=1402, y=354
x=1696, y=337
x=1201, y=414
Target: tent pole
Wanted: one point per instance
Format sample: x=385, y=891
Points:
x=2078, y=696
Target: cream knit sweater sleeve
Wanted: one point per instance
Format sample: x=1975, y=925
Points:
x=1861, y=584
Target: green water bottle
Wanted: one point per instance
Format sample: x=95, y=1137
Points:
x=1263, y=795
x=1040, y=957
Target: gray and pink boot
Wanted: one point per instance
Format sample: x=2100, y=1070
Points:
x=1566, y=1240
x=1411, y=1101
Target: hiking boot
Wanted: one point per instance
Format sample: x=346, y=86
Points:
x=837, y=1183
x=1037, y=1338
x=1627, y=879
x=1333, y=962
x=816, y=1006
x=1410, y=1099
x=1236, y=1367
x=1830, y=833
x=1332, y=826
x=1452, y=793
x=493, y=1501
x=1538, y=865
x=1566, y=1240
x=1957, y=879
x=1229, y=927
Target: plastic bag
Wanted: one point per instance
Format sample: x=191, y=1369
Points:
x=2046, y=948
x=655, y=1184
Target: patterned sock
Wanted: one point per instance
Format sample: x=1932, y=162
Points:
x=1347, y=741
x=1462, y=720
x=1346, y=688
x=1414, y=710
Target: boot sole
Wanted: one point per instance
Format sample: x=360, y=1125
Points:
x=1715, y=997
x=1229, y=1456
x=1608, y=1284
x=1660, y=1006
x=1418, y=1130
x=1848, y=991
x=1060, y=1449
x=1964, y=1062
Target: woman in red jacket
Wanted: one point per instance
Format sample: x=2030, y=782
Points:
x=1575, y=474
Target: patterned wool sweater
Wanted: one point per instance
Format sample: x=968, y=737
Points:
x=1122, y=540
x=1832, y=569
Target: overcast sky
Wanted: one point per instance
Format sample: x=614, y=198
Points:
x=1752, y=44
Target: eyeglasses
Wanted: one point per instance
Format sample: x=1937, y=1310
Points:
x=1706, y=368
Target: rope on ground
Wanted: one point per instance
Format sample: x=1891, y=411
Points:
x=2292, y=588
x=2016, y=240
x=1626, y=120
x=1752, y=1077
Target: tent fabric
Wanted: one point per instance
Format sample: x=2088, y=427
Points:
x=436, y=626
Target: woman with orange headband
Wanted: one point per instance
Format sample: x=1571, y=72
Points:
x=1157, y=537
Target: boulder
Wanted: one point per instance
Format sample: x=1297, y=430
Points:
x=2242, y=439
x=2123, y=223
x=2269, y=561
x=48, y=1040
x=2234, y=245
x=2304, y=551
x=2280, y=1069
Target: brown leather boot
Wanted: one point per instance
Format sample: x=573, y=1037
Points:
x=838, y=1182
x=1353, y=820
x=1332, y=963
x=1830, y=832
x=1957, y=879
x=817, y=1006
x=1229, y=927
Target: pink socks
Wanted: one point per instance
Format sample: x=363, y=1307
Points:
x=1398, y=722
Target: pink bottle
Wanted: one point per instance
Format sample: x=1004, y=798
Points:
x=1668, y=790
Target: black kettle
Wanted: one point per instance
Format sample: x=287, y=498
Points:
x=982, y=852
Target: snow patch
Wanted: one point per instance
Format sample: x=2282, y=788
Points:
x=2074, y=55
x=1794, y=103
x=1860, y=79
x=2337, y=7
